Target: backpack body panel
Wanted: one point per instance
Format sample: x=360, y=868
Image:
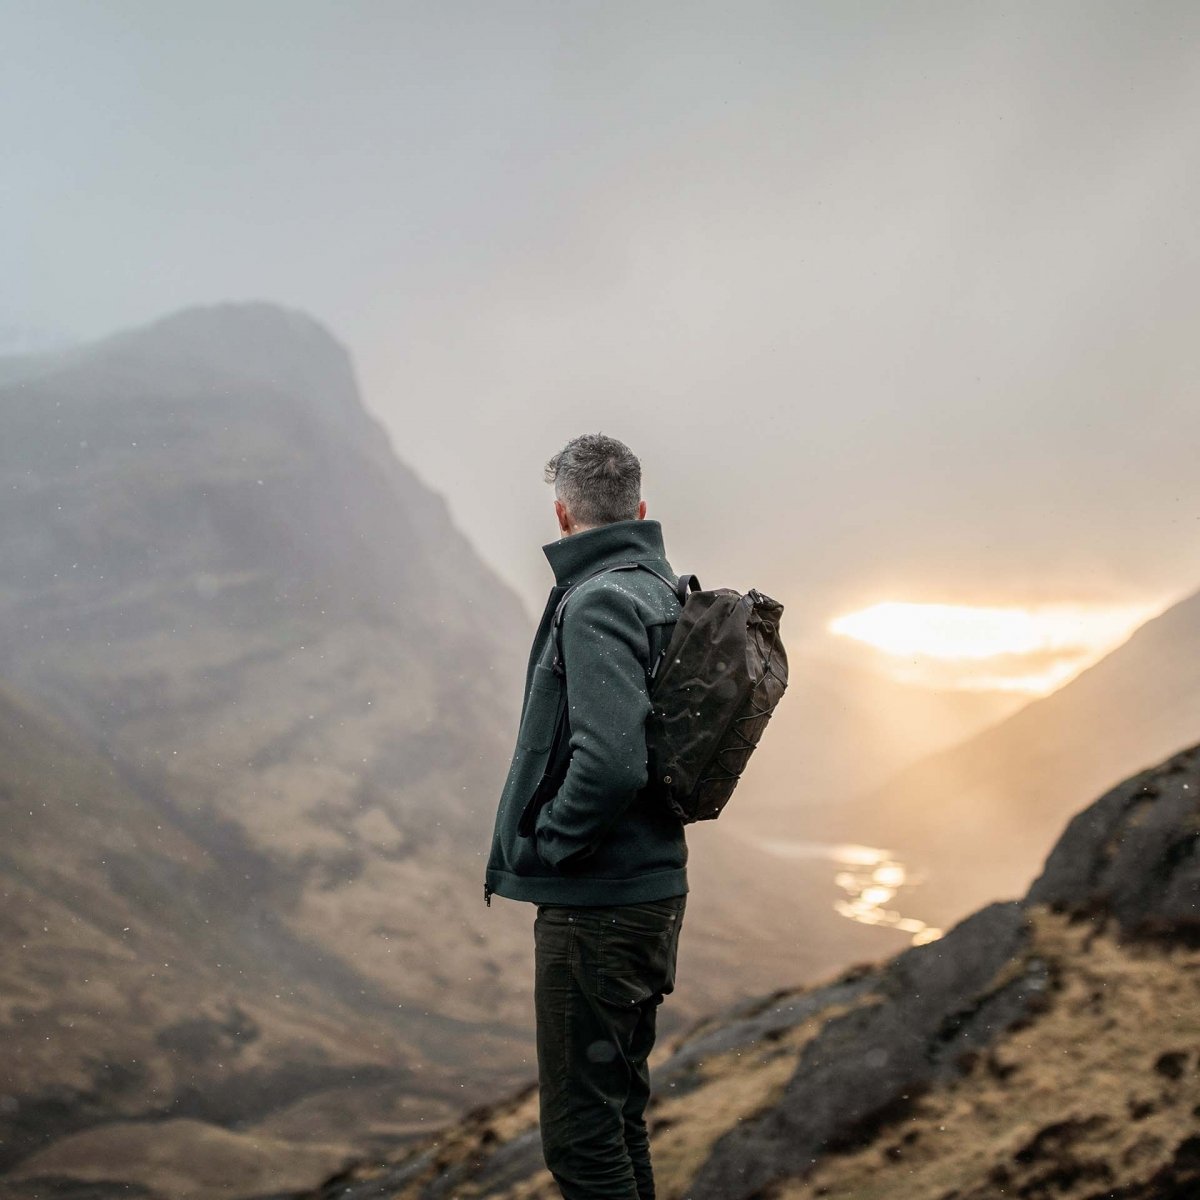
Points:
x=724, y=671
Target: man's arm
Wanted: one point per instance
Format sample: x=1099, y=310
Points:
x=606, y=655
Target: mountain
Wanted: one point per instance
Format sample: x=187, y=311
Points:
x=975, y=817
x=1045, y=1047
x=294, y=686
x=196, y=510
x=264, y=693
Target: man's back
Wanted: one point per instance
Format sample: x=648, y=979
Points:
x=604, y=837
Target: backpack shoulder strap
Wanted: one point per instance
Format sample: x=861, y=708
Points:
x=686, y=583
x=557, y=760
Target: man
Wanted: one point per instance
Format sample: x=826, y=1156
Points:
x=603, y=859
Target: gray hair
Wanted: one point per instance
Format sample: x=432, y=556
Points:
x=598, y=479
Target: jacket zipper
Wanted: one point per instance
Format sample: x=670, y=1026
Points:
x=487, y=895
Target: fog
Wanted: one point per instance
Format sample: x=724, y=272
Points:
x=897, y=303
x=893, y=302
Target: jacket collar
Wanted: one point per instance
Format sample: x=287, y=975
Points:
x=581, y=553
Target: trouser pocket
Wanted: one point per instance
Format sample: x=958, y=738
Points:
x=637, y=948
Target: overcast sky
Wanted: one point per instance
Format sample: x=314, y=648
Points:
x=894, y=302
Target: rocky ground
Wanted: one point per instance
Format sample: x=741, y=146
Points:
x=1046, y=1047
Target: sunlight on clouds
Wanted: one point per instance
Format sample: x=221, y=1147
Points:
x=984, y=648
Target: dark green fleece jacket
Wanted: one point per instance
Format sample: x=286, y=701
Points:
x=603, y=838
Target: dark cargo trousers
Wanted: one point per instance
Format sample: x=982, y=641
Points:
x=600, y=974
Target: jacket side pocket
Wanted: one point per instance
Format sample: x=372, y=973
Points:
x=537, y=725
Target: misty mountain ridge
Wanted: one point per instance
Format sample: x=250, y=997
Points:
x=229, y=596
x=221, y=589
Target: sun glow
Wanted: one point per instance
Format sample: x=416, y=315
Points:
x=1027, y=649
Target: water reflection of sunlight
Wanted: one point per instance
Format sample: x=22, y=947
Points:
x=870, y=877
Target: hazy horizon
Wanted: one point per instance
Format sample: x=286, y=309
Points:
x=896, y=306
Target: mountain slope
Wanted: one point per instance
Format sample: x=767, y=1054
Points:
x=220, y=582
x=212, y=564
x=223, y=589
x=1044, y=1047
x=142, y=974
x=977, y=816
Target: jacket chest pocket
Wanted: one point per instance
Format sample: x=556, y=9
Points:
x=541, y=707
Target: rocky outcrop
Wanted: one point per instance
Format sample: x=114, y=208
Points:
x=908, y=1028
x=1132, y=857
x=1044, y=1047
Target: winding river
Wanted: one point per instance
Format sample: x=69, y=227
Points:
x=869, y=877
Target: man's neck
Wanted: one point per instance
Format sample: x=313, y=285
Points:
x=572, y=556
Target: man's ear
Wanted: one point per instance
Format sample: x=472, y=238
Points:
x=641, y=510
